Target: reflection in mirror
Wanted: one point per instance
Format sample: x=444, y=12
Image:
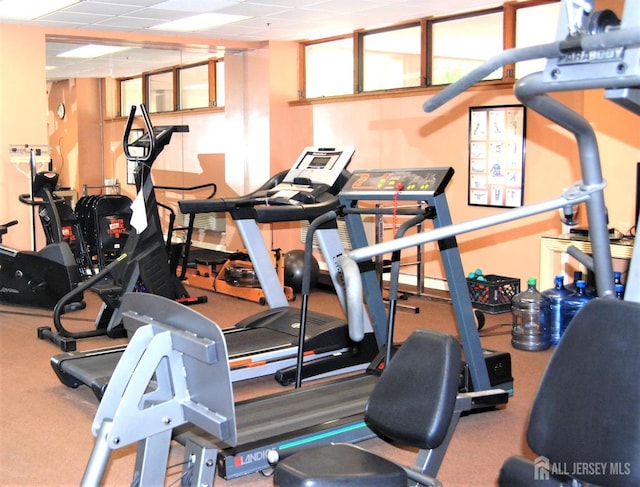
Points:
x=160, y=92
x=99, y=88
x=126, y=63
x=130, y=93
x=194, y=86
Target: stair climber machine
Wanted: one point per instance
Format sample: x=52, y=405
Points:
x=143, y=261
x=593, y=51
x=40, y=278
x=267, y=343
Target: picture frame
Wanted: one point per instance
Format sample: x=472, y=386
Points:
x=497, y=136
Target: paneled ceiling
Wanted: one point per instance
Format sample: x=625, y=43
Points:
x=268, y=20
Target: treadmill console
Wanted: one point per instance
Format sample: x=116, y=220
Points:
x=313, y=173
x=413, y=184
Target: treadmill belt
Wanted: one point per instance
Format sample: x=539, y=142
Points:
x=93, y=370
x=281, y=415
x=249, y=341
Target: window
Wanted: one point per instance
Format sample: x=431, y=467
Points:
x=462, y=44
x=130, y=94
x=219, y=83
x=194, y=86
x=198, y=85
x=533, y=27
x=160, y=92
x=391, y=58
x=329, y=68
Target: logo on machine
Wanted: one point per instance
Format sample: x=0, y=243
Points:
x=253, y=457
x=598, y=55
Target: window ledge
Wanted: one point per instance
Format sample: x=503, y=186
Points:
x=399, y=92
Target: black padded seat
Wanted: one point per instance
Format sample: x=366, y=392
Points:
x=356, y=467
x=412, y=405
x=585, y=413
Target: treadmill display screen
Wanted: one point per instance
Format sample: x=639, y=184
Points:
x=320, y=165
x=320, y=162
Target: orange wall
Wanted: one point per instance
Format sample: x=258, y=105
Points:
x=75, y=140
x=23, y=120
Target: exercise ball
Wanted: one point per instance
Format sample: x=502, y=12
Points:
x=294, y=267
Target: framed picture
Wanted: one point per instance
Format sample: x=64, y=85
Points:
x=496, y=155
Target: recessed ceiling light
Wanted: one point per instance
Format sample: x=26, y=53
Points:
x=92, y=50
x=19, y=9
x=200, y=22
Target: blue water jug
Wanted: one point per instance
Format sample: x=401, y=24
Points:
x=556, y=295
x=574, y=303
x=577, y=276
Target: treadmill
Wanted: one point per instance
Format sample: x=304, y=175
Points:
x=332, y=411
x=267, y=342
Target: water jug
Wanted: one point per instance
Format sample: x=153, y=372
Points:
x=531, y=312
x=577, y=276
x=556, y=295
x=574, y=303
x=617, y=277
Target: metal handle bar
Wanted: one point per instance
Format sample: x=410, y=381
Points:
x=148, y=127
x=9, y=224
x=213, y=186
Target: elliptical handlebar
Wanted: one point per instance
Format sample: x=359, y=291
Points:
x=28, y=200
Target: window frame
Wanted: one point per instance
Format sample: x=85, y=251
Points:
x=302, y=52
x=508, y=10
x=359, y=54
x=175, y=71
x=178, y=88
x=147, y=88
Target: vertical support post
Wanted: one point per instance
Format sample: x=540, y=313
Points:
x=97, y=465
x=462, y=307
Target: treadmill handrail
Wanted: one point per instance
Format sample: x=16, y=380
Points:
x=256, y=206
